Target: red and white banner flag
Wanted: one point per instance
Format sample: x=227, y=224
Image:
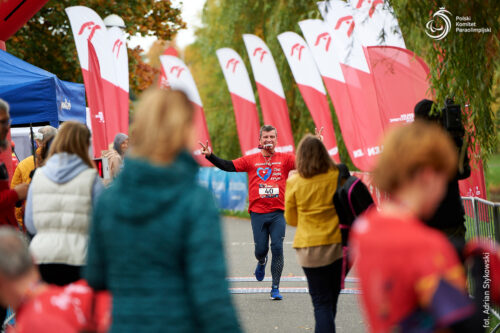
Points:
x=318, y=37
x=95, y=95
x=376, y=23
x=401, y=80
x=120, y=60
x=242, y=96
x=400, y=77
x=180, y=78
x=360, y=129
x=474, y=186
x=88, y=27
x=308, y=80
x=271, y=94
x=163, y=81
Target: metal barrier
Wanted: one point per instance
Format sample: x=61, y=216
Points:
x=482, y=219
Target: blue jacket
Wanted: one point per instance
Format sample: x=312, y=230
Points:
x=156, y=244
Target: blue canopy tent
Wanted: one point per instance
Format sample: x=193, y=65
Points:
x=38, y=96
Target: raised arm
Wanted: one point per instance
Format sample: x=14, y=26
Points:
x=222, y=164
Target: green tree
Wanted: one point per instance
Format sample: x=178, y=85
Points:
x=463, y=64
x=47, y=40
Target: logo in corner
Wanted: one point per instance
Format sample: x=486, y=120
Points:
x=439, y=32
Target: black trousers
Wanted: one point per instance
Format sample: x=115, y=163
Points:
x=60, y=274
x=324, y=288
x=3, y=315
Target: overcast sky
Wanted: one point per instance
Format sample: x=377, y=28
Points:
x=191, y=14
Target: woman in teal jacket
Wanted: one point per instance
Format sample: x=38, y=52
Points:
x=156, y=239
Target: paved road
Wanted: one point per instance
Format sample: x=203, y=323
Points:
x=256, y=311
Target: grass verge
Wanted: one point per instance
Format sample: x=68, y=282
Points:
x=234, y=213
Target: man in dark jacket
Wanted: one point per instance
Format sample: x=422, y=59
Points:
x=449, y=217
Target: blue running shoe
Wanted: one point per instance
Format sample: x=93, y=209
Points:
x=275, y=294
x=260, y=271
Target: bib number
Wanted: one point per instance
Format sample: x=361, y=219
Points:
x=269, y=191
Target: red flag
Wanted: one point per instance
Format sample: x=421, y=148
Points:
x=375, y=18
x=400, y=80
x=162, y=81
x=242, y=96
x=358, y=78
x=179, y=77
x=111, y=55
x=308, y=80
x=121, y=82
x=319, y=39
x=271, y=94
x=95, y=96
x=474, y=186
x=15, y=14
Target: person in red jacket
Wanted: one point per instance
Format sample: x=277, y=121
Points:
x=8, y=196
x=410, y=275
x=41, y=307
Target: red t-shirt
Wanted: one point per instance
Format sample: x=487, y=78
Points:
x=266, y=180
x=409, y=274
x=65, y=309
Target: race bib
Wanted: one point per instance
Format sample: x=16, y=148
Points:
x=268, y=191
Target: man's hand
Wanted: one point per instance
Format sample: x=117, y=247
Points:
x=205, y=149
x=319, y=134
x=22, y=190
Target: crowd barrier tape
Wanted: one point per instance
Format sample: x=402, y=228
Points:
x=230, y=189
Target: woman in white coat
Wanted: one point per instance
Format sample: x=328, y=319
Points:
x=59, y=205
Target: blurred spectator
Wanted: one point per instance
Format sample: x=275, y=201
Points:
x=450, y=214
x=116, y=154
x=59, y=205
x=156, y=240
x=410, y=275
x=8, y=196
x=41, y=307
x=309, y=207
x=24, y=169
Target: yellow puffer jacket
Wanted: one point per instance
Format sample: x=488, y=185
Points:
x=22, y=175
x=309, y=207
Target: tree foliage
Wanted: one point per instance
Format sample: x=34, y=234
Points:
x=47, y=41
x=463, y=64
x=224, y=23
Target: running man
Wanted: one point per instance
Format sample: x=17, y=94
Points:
x=267, y=174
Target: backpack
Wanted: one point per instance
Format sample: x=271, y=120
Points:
x=350, y=199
